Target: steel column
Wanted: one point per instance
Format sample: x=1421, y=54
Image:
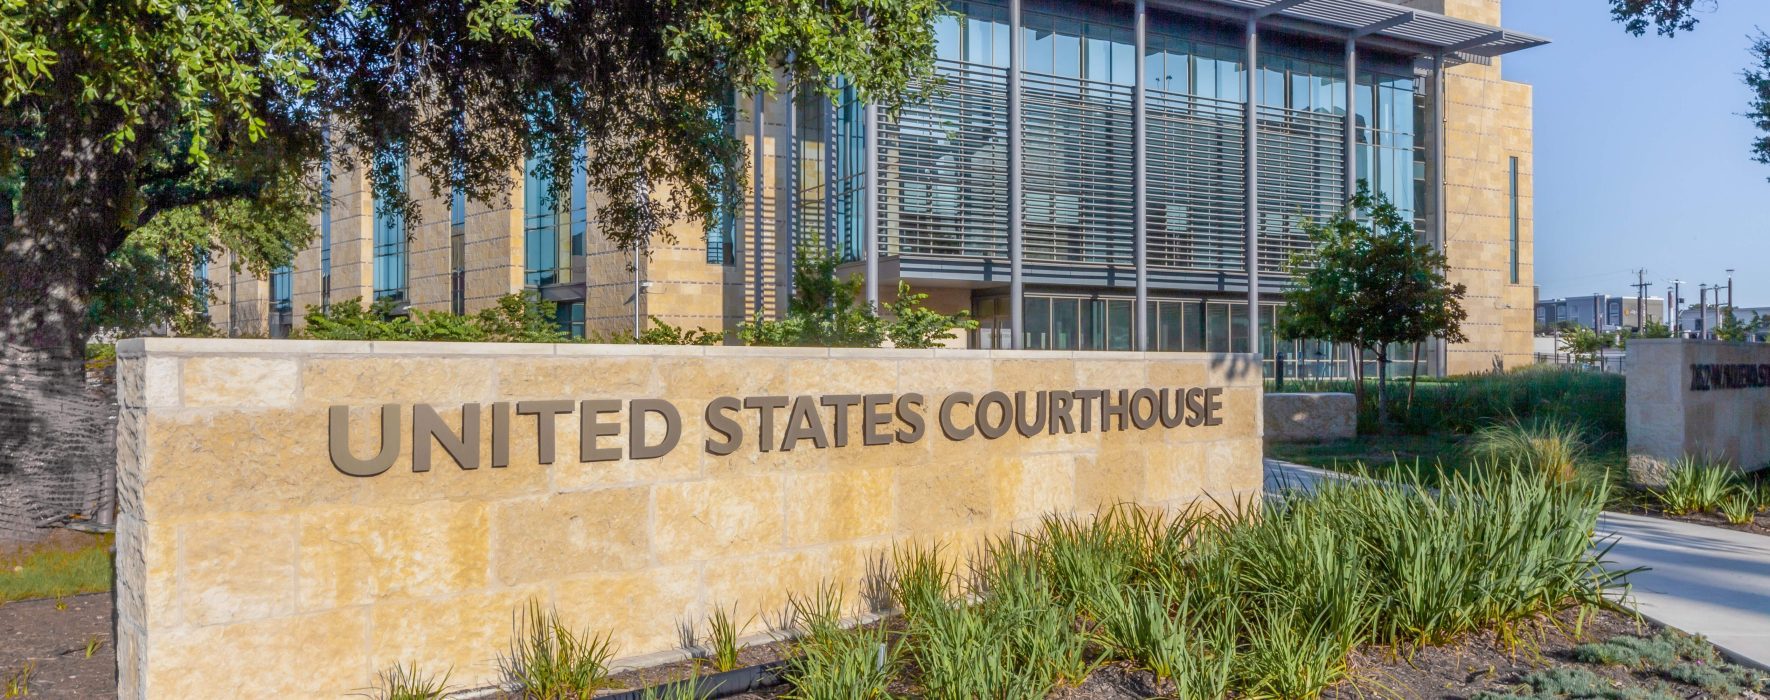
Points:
x=1140, y=178
x=1252, y=155
x=871, y=237
x=1440, y=219
x=1351, y=116
x=829, y=233
x=790, y=218
x=756, y=155
x=1016, y=254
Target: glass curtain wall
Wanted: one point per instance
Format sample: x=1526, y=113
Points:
x=1302, y=144
x=811, y=171
x=458, y=251
x=1196, y=147
x=722, y=228
x=390, y=247
x=847, y=199
x=1388, y=159
x=944, y=187
x=1076, y=104
x=326, y=233
x=546, y=233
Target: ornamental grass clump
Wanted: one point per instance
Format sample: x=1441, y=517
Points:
x=831, y=661
x=1694, y=486
x=722, y=639
x=1554, y=445
x=402, y=682
x=549, y=661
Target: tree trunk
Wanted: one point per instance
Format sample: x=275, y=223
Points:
x=1356, y=365
x=1414, y=380
x=1382, y=386
x=56, y=438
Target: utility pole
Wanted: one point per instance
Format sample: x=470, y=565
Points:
x=1702, y=311
x=1675, y=306
x=1729, y=291
x=1640, y=299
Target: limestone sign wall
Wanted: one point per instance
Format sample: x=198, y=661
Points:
x=298, y=514
x=1705, y=398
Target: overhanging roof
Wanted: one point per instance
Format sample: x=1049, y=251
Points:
x=1374, y=18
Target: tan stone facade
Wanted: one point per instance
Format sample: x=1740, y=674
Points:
x=1700, y=398
x=249, y=566
x=1488, y=122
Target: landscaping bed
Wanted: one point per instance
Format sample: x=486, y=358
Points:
x=58, y=648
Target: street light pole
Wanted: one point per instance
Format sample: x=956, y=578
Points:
x=1674, y=306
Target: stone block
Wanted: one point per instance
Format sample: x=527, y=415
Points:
x=538, y=539
x=352, y=555
x=1310, y=417
x=316, y=656
x=698, y=520
x=239, y=381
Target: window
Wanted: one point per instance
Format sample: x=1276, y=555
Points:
x=546, y=253
x=458, y=251
x=1513, y=192
x=326, y=233
x=390, y=235
x=722, y=228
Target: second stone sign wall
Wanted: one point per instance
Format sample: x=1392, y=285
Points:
x=272, y=543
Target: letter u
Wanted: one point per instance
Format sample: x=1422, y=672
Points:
x=338, y=428
x=1035, y=426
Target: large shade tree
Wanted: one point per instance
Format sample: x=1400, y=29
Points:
x=136, y=136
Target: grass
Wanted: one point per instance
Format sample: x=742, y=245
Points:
x=1666, y=656
x=18, y=683
x=402, y=682
x=549, y=661
x=56, y=569
x=1467, y=403
x=722, y=639
x=831, y=661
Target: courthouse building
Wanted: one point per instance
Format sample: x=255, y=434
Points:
x=1092, y=174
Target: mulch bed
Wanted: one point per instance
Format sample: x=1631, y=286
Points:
x=54, y=641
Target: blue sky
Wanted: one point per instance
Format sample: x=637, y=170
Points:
x=1642, y=159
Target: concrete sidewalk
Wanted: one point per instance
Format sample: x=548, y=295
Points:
x=1704, y=580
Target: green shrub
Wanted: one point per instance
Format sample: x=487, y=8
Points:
x=403, y=682
x=1739, y=507
x=516, y=318
x=722, y=639
x=549, y=661
x=833, y=662
x=1553, y=445
x=661, y=333
x=1693, y=486
x=1467, y=403
x=832, y=312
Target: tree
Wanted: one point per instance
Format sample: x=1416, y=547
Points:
x=1733, y=330
x=1668, y=17
x=1583, y=344
x=1369, y=281
x=828, y=311
x=1655, y=329
x=206, y=117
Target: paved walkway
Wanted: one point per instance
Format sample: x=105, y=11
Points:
x=1705, y=580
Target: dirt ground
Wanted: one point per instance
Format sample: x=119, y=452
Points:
x=54, y=642
x=51, y=637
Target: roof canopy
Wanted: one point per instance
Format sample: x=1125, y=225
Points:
x=1429, y=31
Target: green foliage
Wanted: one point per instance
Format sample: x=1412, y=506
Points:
x=1733, y=330
x=834, y=662
x=722, y=639
x=1674, y=656
x=1757, y=78
x=1467, y=403
x=1583, y=344
x=516, y=318
x=549, y=661
x=1668, y=17
x=18, y=683
x=1369, y=281
x=661, y=333
x=402, y=682
x=1739, y=507
x=1655, y=329
x=46, y=571
x=827, y=311
x=1552, y=444
x=1694, y=486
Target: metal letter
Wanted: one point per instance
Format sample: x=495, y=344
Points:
x=724, y=425
x=873, y=421
x=1213, y=404
x=999, y=428
x=1033, y=427
x=765, y=407
x=1143, y=397
x=841, y=402
x=544, y=411
x=426, y=424
x=338, y=429
x=636, y=411
x=500, y=435
x=804, y=423
x=907, y=411
x=591, y=427
x=952, y=431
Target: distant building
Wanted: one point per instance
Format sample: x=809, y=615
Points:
x=1700, y=323
x=1600, y=312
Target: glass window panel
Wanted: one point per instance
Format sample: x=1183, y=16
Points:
x=1169, y=326
x=1124, y=66
x=1038, y=50
x=1099, y=60
x=1038, y=323
x=1204, y=81
x=1091, y=325
x=1192, y=319
x=1238, y=328
x=1067, y=54
x=946, y=37
x=1217, y=327
x=1065, y=324
x=1231, y=78
x=1118, y=324
x=1302, y=89
x=1000, y=45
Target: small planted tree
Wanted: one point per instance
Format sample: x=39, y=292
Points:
x=1370, y=282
